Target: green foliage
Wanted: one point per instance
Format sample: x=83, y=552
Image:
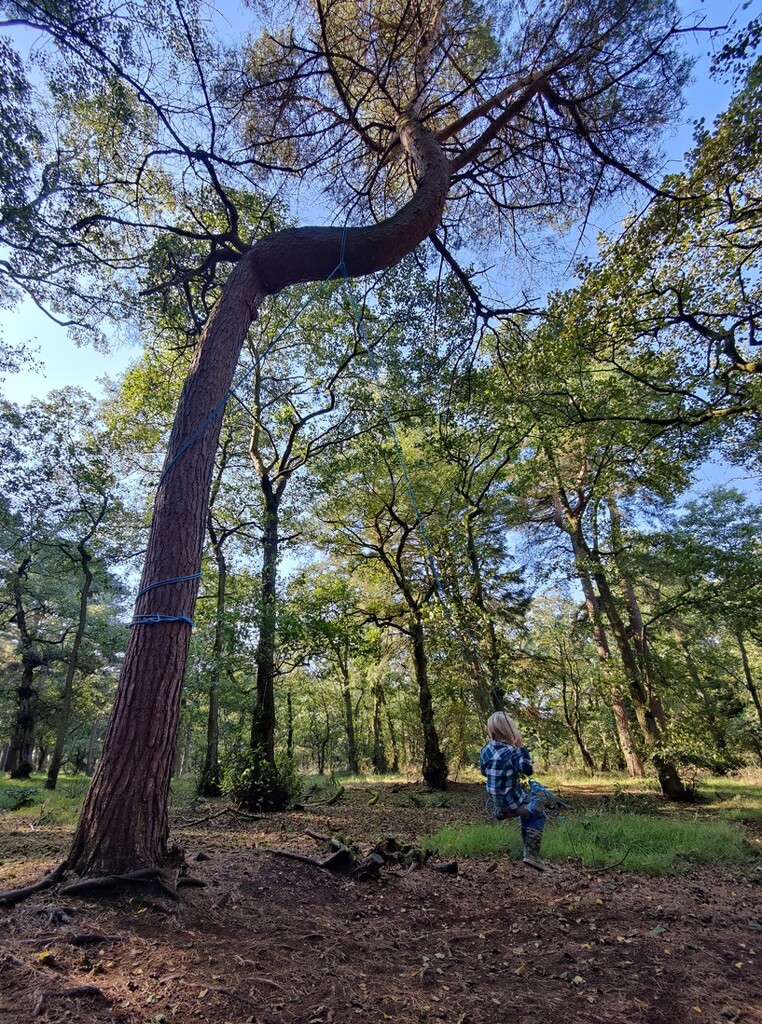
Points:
x=14, y=798
x=33, y=802
x=735, y=798
x=251, y=781
x=622, y=801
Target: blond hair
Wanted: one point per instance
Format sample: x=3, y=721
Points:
x=501, y=726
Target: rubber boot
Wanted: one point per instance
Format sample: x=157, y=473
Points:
x=532, y=843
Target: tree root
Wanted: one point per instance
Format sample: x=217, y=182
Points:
x=111, y=882
x=92, y=938
x=103, y=884
x=334, y=799
x=80, y=992
x=188, y=881
x=11, y=896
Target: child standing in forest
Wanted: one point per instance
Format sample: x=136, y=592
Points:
x=504, y=758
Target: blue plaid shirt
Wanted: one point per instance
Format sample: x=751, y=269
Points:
x=503, y=765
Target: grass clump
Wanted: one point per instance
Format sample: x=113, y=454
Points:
x=632, y=842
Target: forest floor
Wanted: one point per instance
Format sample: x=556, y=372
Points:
x=271, y=940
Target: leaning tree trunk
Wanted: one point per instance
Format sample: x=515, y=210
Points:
x=434, y=764
x=648, y=710
x=124, y=823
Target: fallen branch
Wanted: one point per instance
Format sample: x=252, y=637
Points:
x=317, y=836
x=229, y=992
x=327, y=803
x=219, y=814
x=340, y=862
x=11, y=896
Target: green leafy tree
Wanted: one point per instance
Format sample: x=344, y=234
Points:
x=421, y=100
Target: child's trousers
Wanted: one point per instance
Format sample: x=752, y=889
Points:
x=532, y=815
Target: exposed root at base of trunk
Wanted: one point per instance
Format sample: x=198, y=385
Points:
x=103, y=884
x=11, y=896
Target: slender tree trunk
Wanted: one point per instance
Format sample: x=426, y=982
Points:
x=632, y=759
x=489, y=695
x=748, y=678
x=647, y=708
x=349, y=722
x=263, y=719
x=395, y=765
x=651, y=726
x=380, y=763
x=62, y=726
x=434, y=764
x=289, y=724
x=572, y=718
x=92, y=745
x=22, y=732
x=210, y=782
x=719, y=736
x=124, y=823
x=637, y=626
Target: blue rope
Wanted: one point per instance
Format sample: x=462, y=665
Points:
x=164, y=583
x=152, y=619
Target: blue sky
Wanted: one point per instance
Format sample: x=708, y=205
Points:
x=63, y=363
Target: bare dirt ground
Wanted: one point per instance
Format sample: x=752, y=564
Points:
x=273, y=941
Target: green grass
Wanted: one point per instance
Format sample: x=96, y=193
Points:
x=28, y=800
x=631, y=842
x=738, y=798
